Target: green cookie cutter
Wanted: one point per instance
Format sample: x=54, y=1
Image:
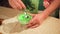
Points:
x=24, y=19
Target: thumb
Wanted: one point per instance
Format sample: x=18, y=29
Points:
x=30, y=23
x=32, y=15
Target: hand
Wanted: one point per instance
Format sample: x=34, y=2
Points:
x=46, y=4
x=17, y=4
x=36, y=21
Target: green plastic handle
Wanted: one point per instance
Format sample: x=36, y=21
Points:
x=24, y=19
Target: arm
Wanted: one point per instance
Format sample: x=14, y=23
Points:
x=51, y=8
x=39, y=18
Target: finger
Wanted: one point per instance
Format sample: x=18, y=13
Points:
x=12, y=4
x=31, y=24
x=34, y=26
x=22, y=4
x=46, y=4
x=17, y=4
x=32, y=21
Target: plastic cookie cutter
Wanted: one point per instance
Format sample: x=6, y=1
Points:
x=24, y=18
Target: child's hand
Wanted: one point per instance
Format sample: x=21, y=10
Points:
x=17, y=4
x=36, y=21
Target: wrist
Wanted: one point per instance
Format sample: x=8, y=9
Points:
x=43, y=15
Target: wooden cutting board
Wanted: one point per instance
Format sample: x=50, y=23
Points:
x=50, y=26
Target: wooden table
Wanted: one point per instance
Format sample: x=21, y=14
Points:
x=50, y=26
